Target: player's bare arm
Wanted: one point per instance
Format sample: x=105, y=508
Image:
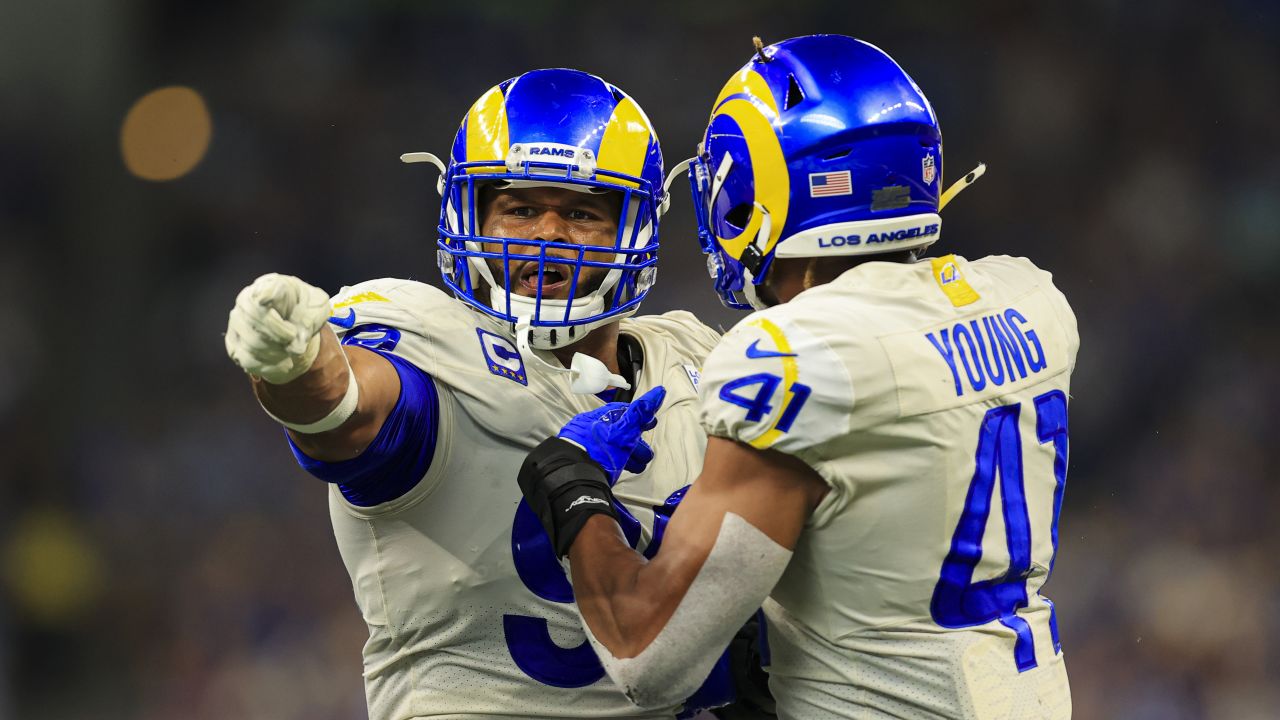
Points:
x=332, y=399
x=317, y=392
x=626, y=600
x=656, y=624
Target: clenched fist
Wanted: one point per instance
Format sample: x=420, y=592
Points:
x=273, y=331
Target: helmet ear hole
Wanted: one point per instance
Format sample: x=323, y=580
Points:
x=739, y=216
x=794, y=94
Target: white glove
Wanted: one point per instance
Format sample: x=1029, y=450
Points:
x=273, y=332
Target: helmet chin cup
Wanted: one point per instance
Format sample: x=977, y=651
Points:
x=552, y=331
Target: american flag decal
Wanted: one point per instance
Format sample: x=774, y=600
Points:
x=830, y=183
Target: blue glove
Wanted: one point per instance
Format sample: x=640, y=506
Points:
x=611, y=434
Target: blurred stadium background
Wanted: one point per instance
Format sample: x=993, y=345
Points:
x=162, y=557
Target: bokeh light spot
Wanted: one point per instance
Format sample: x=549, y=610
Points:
x=50, y=568
x=166, y=133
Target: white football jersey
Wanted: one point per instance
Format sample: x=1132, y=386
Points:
x=470, y=615
x=932, y=398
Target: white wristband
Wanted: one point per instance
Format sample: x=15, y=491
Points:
x=345, y=409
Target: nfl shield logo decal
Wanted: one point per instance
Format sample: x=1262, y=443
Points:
x=928, y=170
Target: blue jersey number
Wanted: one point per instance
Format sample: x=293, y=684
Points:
x=528, y=640
x=958, y=601
x=757, y=403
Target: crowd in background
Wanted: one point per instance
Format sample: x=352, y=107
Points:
x=161, y=555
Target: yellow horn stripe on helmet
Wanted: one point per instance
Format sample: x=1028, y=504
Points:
x=747, y=82
x=625, y=143
x=487, y=134
x=769, y=171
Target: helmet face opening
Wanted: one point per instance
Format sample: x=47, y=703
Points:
x=563, y=129
x=467, y=257
x=824, y=147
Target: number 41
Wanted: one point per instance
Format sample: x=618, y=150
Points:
x=758, y=405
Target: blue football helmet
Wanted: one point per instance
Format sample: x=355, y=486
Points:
x=561, y=128
x=821, y=145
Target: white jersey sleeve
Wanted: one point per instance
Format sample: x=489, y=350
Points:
x=774, y=385
x=413, y=324
x=378, y=314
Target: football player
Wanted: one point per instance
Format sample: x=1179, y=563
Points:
x=888, y=433
x=417, y=407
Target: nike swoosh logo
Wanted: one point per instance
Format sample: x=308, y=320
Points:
x=345, y=322
x=755, y=353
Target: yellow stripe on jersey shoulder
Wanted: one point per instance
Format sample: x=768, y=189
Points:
x=790, y=373
x=950, y=279
x=367, y=296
